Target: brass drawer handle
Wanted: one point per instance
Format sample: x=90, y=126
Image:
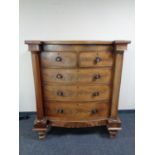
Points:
x=97, y=76
x=59, y=76
x=60, y=111
x=96, y=94
x=58, y=59
x=60, y=93
x=94, y=111
x=97, y=59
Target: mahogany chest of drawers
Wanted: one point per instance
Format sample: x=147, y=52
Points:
x=77, y=83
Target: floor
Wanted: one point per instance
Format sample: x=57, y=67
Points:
x=86, y=141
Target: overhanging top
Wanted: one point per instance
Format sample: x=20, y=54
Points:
x=76, y=42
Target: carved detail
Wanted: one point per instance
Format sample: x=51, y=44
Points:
x=42, y=121
x=78, y=124
x=40, y=125
x=120, y=46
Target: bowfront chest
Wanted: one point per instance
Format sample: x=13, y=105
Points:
x=77, y=83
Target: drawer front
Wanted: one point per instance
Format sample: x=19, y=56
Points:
x=76, y=111
x=94, y=75
x=96, y=59
x=59, y=75
x=58, y=59
x=77, y=75
x=94, y=93
x=76, y=93
x=60, y=93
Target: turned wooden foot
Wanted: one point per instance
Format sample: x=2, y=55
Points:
x=113, y=133
x=113, y=126
x=41, y=127
x=42, y=135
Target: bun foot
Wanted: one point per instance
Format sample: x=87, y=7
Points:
x=113, y=133
x=42, y=135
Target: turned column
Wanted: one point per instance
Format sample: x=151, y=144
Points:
x=40, y=123
x=114, y=123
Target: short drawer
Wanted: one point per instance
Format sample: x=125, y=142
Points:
x=76, y=111
x=96, y=59
x=92, y=75
x=58, y=59
x=77, y=93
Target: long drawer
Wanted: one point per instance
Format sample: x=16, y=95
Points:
x=76, y=92
x=77, y=75
x=76, y=111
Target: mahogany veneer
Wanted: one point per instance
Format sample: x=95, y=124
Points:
x=77, y=83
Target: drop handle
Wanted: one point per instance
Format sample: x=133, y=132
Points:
x=61, y=111
x=60, y=93
x=94, y=111
x=97, y=59
x=96, y=93
x=97, y=76
x=58, y=59
x=59, y=76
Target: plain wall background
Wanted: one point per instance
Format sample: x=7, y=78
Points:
x=76, y=20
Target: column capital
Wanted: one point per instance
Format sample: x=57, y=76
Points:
x=120, y=46
x=34, y=46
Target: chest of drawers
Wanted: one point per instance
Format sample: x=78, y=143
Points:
x=77, y=83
